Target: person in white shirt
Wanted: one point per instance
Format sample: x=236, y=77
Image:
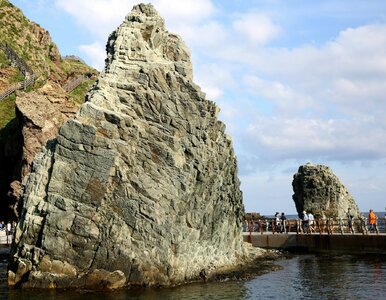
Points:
x=311, y=222
x=305, y=222
x=9, y=226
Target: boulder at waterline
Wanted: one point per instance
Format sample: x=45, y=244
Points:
x=317, y=189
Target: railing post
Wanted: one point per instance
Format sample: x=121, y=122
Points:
x=261, y=226
x=318, y=225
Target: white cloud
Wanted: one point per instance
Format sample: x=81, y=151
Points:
x=347, y=71
x=280, y=139
x=184, y=12
x=95, y=53
x=100, y=17
x=327, y=102
x=202, y=37
x=285, y=99
x=268, y=192
x=212, y=78
x=257, y=28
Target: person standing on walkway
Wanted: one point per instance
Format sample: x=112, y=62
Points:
x=283, y=219
x=350, y=218
x=277, y=222
x=305, y=222
x=8, y=228
x=372, y=221
x=311, y=222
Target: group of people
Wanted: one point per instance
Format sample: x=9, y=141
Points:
x=9, y=227
x=372, y=220
x=308, y=222
x=280, y=222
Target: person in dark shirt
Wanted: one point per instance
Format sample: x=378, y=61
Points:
x=283, y=219
x=350, y=218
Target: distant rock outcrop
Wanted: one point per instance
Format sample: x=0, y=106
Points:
x=317, y=189
x=141, y=188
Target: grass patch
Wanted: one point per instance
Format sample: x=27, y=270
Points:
x=81, y=90
x=3, y=60
x=70, y=66
x=16, y=78
x=7, y=110
x=4, y=3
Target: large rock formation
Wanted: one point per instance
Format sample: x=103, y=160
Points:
x=141, y=187
x=317, y=189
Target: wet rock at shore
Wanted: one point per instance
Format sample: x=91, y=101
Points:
x=141, y=188
x=317, y=189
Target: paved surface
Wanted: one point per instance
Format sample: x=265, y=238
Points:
x=345, y=243
x=4, y=239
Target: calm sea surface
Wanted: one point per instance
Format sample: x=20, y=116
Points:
x=302, y=277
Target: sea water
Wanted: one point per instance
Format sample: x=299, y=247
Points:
x=300, y=277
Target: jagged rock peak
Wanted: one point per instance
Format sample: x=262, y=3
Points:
x=143, y=37
x=317, y=189
x=141, y=188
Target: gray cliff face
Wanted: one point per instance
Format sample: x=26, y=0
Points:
x=141, y=188
x=317, y=189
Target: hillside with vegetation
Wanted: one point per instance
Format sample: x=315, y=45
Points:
x=21, y=128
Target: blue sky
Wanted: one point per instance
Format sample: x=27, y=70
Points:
x=296, y=81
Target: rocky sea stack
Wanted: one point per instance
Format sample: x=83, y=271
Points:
x=318, y=189
x=141, y=187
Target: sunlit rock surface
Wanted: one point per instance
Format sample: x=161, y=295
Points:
x=141, y=188
x=317, y=189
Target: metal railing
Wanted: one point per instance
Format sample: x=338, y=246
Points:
x=16, y=60
x=18, y=86
x=319, y=226
x=71, y=85
x=29, y=76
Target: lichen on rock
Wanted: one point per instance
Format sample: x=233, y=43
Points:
x=141, y=187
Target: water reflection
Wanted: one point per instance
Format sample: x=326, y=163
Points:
x=324, y=277
x=199, y=291
x=302, y=277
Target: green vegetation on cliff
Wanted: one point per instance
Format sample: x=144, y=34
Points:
x=33, y=44
x=77, y=95
x=3, y=60
x=7, y=111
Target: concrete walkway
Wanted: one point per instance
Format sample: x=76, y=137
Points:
x=4, y=239
x=346, y=243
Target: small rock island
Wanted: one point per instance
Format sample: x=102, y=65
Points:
x=317, y=189
x=141, y=187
